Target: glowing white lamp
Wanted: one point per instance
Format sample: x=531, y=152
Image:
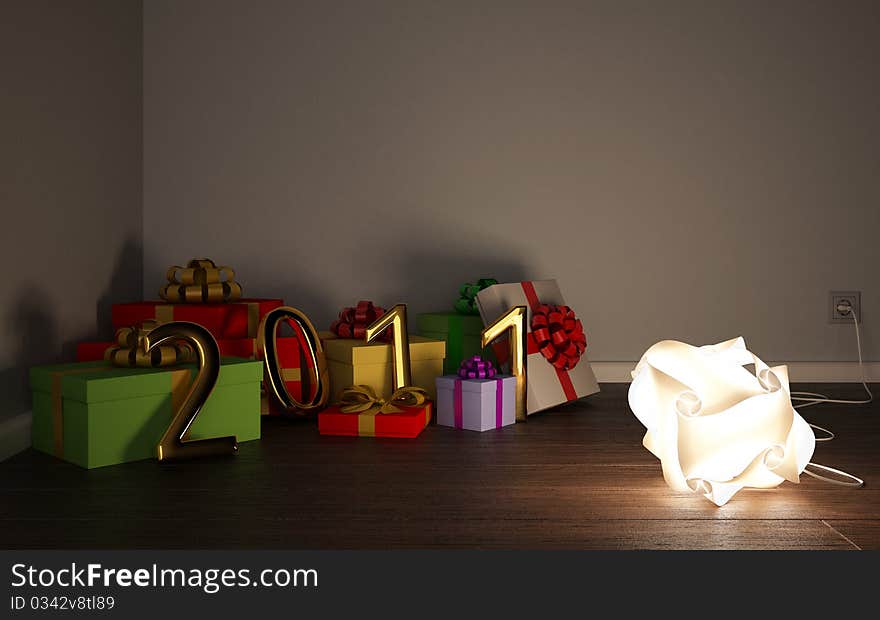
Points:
x=715, y=425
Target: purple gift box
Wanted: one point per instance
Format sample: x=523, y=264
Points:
x=477, y=399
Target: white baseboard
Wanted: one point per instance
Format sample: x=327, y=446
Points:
x=798, y=372
x=15, y=435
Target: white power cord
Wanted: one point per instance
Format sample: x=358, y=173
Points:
x=808, y=399
x=811, y=398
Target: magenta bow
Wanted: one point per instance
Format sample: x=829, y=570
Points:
x=476, y=368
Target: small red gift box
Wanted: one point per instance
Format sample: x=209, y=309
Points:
x=407, y=423
x=229, y=320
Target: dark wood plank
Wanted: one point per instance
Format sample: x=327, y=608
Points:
x=864, y=534
x=577, y=477
x=381, y=533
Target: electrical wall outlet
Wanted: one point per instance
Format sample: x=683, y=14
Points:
x=853, y=299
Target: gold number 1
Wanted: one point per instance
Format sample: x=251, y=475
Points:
x=514, y=320
x=396, y=319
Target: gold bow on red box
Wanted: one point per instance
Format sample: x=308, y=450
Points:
x=201, y=281
x=363, y=399
x=129, y=350
x=366, y=405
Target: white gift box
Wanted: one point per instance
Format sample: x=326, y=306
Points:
x=476, y=404
x=546, y=385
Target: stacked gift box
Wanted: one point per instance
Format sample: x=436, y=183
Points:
x=114, y=404
x=233, y=324
x=354, y=363
x=459, y=327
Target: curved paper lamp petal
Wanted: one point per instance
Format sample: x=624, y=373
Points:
x=716, y=426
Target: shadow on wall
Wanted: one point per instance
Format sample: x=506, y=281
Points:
x=35, y=327
x=311, y=299
x=429, y=281
x=126, y=284
x=31, y=326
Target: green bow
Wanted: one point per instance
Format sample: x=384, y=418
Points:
x=467, y=302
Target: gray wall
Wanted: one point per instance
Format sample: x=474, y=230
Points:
x=70, y=179
x=692, y=170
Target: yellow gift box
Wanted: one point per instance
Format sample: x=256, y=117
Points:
x=355, y=362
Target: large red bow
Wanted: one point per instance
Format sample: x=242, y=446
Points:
x=559, y=335
x=353, y=322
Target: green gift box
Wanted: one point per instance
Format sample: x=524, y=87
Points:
x=93, y=414
x=461, y=332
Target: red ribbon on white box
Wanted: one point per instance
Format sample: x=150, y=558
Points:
x=561, y=371
x=532, y=344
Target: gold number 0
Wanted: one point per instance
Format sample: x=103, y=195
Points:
x=174, y=444
x=515, y=321
x=267, y=344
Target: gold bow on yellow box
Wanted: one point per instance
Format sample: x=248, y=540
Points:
x=129, y=350
x=363, y=399
x=201, y=281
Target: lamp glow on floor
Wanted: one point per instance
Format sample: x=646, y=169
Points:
x=717, y=426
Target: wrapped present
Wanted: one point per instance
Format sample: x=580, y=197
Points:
x=229, y=320
x=558, y=370
x=94, y=351
x=355, y=362
x=362, y=413
x=94, y=414
x=461, y=333
x=477, y=398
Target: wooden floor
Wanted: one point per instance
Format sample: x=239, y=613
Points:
x=575, y=478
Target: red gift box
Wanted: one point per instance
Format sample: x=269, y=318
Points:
x=229, y=320
x=404, y=424
x=288, y=350
x=297, y=369
x=92, y=351
x=289, y=357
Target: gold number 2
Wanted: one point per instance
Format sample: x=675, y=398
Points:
x=513, y=320
x=174, y=443
x=267, y=344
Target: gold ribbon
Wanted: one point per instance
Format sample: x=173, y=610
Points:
x=363, y=400
x=201, y=281
x=58, y=404
x=164, y=314
x=129, y=350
